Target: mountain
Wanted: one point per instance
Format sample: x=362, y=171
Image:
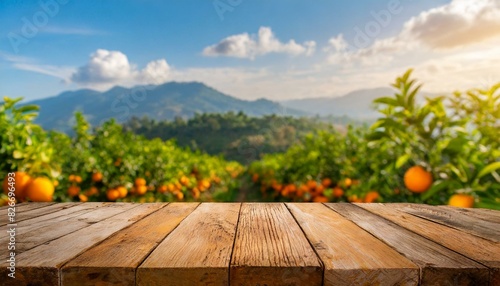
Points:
x=167, y=101
x=356, y=104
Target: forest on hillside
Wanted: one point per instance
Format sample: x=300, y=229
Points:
x=236, y=136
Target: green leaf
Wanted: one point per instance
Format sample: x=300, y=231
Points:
x=387, y=100
x=377, y=135
x=488, y=169
x=436, y=187
x=402, y=160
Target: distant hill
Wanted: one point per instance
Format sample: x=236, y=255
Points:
x=356, y=104
x=160, y=102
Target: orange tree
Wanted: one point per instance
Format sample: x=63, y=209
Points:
x=453, y=138
x=106, y=163
x=416, y=152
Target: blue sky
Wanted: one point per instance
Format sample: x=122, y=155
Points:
x=249, y=49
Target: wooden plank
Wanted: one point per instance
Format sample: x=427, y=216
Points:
x=23, y=207
x=455, y=219
x=482, y=214
x=34, y=238
x=438, y=265
x=27, y=211
x=31, y=227
x=271, y=249
x=40, y=265
x=56, y=217
x=114, y=261
x=197, y=252
x=479, y=249
x=350, y=255
x=18, y=205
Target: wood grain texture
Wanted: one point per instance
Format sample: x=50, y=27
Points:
x=479, y=249
x=33, y=238
x=23, y=206
x=29, y=211
x=271, y=249
x=482, y=214
x=438, y=265
x=197, y=252
x=32, y=227
x=455, y=219
x=351, y=256
x=40, y=265
x=57, y=217
x=114, y=261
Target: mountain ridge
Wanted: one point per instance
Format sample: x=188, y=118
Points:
x=160, y=102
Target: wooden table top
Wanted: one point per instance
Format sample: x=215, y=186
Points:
x=251, y=244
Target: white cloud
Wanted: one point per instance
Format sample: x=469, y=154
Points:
x=460, y=23
x=107, y=68
x=251, y=46
x=455, y=26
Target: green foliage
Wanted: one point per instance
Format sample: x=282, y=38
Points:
x=455, y=138
x=24, y=146
x=236, y=136
x=119, y=156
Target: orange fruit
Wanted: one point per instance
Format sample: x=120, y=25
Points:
x=56, y=183
x=196, y=194
x=92, y=191
x=319, y=189
x=171, y=187
x=326, y=182
x=73, y=191
x=347, y=182
x=179, y=195
x=371, y=197
x=141, y=190
x=123, y=191
x=205, y=184
x=118, y=162
x=112, y=194
x=19, y=182
x=140, y=182
x=78, y=179
x=71, y=178
x=184, y=180
x=311, y=184
x=40, y=189
x=417, y=179
x=320, y=199
x=97, y=177
x=338, y=192
x=255, y=177
x=461, y=201
x=354, y=199
x=83, y=198
x=162, y=189
x=217, y=180
x=292, y=188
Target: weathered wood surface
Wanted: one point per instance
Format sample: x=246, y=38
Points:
x=479, y=249
x=351, y=256
x=252, y=244
x=26, y=211
x=115, y=260
x=270, y=249
x=452, y=218
x=197, y=252
x=438, y=265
